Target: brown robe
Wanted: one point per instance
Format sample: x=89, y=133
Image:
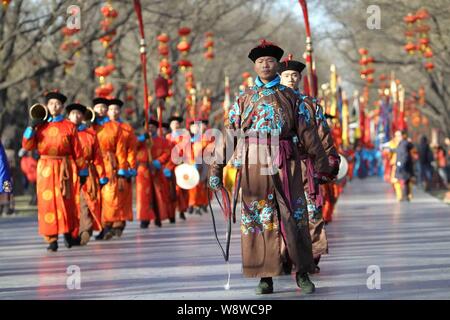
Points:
x=271, y=227
x=316, y=222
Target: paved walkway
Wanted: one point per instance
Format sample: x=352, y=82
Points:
x=408, y=242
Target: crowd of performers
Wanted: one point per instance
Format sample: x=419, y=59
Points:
x=86, y=170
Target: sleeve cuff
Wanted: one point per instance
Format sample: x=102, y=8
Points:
x=157, y=164
x=29, y=133
x=104, y=181
x=132, y=172
x=83, y=172
x=141, y=138
x=122, y=173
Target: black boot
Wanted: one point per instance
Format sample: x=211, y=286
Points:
x=158, y=223
x=100, y=235
x=172, y=220
x=182, y=216
x=304, y=283
x=145, y=224
x=197, y=211
x=109, y=233
x=191, y=210
x=53, y=246
x=68, y=240
x=265, y=286
x=205, y=209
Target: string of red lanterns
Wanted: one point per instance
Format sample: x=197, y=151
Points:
x=103, y=72
x=209, y=46
x=165, y=68
x=366, y=62
x=417, y=36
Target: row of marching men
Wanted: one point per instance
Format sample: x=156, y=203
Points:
x=87, y=161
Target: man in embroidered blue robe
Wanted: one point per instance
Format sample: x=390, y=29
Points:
x=291, y=74
x=274, y=218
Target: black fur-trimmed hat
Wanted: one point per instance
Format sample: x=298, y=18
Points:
x=266, y=49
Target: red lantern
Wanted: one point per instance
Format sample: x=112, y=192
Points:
x=185, y=63
x=246, y=75
x=64, y=46
x=363, y=51
x=110, y=56
x=184, y=31
x=105, y=24
x=208, y=44
x=69, y=31
x=428, y=54
x=104, y=91
x=410, y=18
x=422, y=14
x=184, y=46
x=164, y=38
x=429, y=66
x=161, y=87
x=163, y=50
x=164, y=63
x=424, y=41
x=209, y=55
x=410, y=47
x=423, y=29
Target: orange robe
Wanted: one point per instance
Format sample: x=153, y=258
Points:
x=144, y=184
x=198, y=196
x=161, y=185
x=126, y=197
x=58, y=146
x=182, y=195
x=153, y=188
x=91, y=191
x=112, y=146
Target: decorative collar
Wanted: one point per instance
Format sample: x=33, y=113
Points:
x=101, y=120
x=58, y=118
x=268, y=85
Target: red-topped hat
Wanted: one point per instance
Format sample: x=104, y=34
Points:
x=266, y=49
x=289, y=64
x=55, y=94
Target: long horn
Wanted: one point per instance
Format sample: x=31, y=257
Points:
x=38, y=111
x=89, y=115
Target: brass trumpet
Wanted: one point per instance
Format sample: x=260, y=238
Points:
x=89, y=115
x=38, y=111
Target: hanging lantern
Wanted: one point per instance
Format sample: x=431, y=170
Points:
x=209, y=46
x=183, y=46
x=164, y=38
x=363, y=51
x=110, y=55
x=105, y=90
x=410, y=48
x=161, y=87
x=429, y=66
x=422, y=14
x=184, y=64
x=5, y=4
